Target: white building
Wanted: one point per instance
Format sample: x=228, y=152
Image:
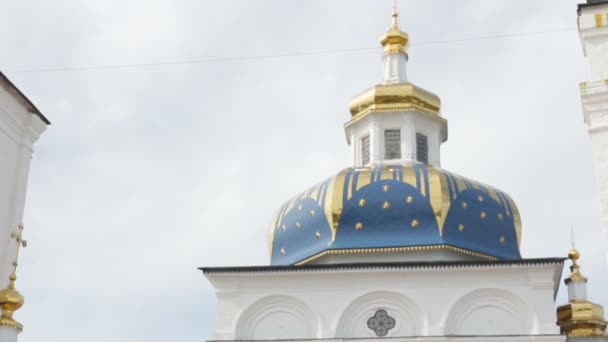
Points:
x=593, y=28
x=397, y=248
x=21, y=124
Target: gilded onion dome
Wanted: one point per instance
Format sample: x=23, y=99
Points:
x=394, y=40
x=400, y=209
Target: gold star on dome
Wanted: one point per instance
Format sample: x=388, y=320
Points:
x=359, y=226
x=318, y=235
x=500, y=217
x=483, y=215
x=284, y=227
x=386, y=205
x=312, y=213
x=465, y=205
x=415, y=223
x=461, y=227
x=410, y=200
x=362, y=202
x=298, y=224
x=502, y=239
x=480, y=198
x=300, y=207
x=283, y=251
x=386, y=188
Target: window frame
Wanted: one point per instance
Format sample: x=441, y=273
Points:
x=399, y=143
x=362, y=140
x=426, y=147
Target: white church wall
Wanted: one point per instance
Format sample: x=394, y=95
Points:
x=275, y=317
x=19, y=129
x=491, y=312
x=338, y=303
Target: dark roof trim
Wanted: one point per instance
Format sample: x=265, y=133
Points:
x=381, y=265
x=400, y=338
x=30, y=106
x=591, y=3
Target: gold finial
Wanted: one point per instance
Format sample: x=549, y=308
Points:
x=10, y=299
x=575, y=269
x=395, y=13
x=574, y=255
x=394, y=41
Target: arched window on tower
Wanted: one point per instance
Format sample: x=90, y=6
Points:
x=422, y=148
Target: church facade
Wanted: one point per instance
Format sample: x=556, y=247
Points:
x=397, y=248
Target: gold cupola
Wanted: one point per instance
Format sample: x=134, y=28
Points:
x=10, y=301
x=580, y=317
x=395, y=40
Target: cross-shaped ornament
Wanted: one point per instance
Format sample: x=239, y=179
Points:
x=17, y=236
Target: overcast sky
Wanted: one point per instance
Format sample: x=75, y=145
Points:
x=150, y=172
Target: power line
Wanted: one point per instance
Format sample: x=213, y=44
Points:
x=276, y=56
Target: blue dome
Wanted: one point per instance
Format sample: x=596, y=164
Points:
x=395, y=209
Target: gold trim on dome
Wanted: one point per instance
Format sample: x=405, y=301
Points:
x=440, y=197
x=395, y=97
x=334, y=202
x=396, y=250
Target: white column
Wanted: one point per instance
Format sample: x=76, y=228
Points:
x=376, y=138
x=394, y=67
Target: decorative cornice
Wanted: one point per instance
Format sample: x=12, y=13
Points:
x=384, y=266
x=395, y=250
x=11, y=323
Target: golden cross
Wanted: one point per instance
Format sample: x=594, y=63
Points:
x=16, y=235
x=395, y=6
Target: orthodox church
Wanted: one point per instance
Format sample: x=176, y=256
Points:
x=396, y=247
x=393, y=247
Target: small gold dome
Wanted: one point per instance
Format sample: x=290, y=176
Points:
x=394, y=40
x=10, y=300
x=574, y=255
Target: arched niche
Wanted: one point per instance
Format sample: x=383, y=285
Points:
x=277, y=317
x=409, y=319
x=490, y=312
